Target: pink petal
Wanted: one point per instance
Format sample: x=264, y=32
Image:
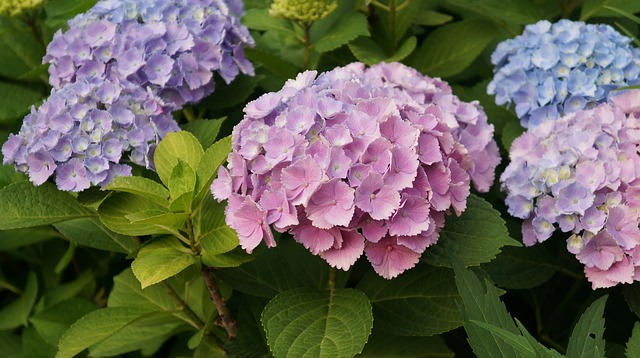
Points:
x=351, y=249
x=390, y=259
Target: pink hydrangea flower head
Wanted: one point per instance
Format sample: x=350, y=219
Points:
x=580, y=174
x=357, y=161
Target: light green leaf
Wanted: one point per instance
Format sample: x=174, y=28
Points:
x=24, y=205
x=206, y=130
x=369, y=52
x=519, y=12
x=343, y=30
x=177, y=145
x=160, y=259
x=521, y=267
x=208, y=349
x=474, y=237
x=387, y=346
x=95, y=327
x=597, y=8
x=304, y=322
x=432, y=18
x=8, y=173
x=127, y=292
x=143, y=187
x=633, y=344
x=91, y=232
x=55, y=320
x=59, y=11
x=211, y=231
x=181, y=186
x=16, y=313
x=450, y=48
x=15, y=100
x=21, y=50
x=259, y=19
x=114, y=212
x=420, y=302
x=233, y=258
x=207, y=170
x=586, y=338
x=481, y=303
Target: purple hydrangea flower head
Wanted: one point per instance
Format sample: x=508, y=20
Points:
x=80, y=134
x=554, y=69
x=581, y=174
x=356, y=160
x=170, y=47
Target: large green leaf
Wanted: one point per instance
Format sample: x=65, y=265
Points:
x=207, y=170
x=259, y=19
x=21, y=50
x=206, y=130
x=521, y=267
x=8, y=173
x=91, y=232
x=177, y=145
x=211, y=231
x=129, y=214
x=10, y=345
x=59, y=11
x=632, y=297
x=160, y=259
x=95, y=327
x=85, y=282
x=24, y=205
x=250, y=341
x=305, y=322
x=587, y=336
x=33, y=345
x=127, y=292
x=15, y=238
x=387, y=346
x=16, y=313
x=55, y=320
x=369, y=52
x=475, y=237
x=520, y=12
x=15, y=100
x=450, y=48
x=342, y=30
x=140, y=186
x=598, y=8
x=420, y=302
x=633, y=344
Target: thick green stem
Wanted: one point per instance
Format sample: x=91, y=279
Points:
x=225, y=320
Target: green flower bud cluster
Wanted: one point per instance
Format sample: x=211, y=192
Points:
x=17, y=7
x=305, y=11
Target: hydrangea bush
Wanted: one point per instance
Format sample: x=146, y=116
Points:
x=288, y=178
x=356, y=160
x=562, y=67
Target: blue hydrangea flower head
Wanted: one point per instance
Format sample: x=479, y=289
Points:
x=171, y=47
x=559, y=68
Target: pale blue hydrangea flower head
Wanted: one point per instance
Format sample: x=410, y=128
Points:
x=171, y=47
x=559, y=68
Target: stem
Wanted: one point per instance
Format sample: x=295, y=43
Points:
x=225, y=320
x=307, y=46
x=192, y=241
x=188, y=114
x=196, y=322
x=331, y=284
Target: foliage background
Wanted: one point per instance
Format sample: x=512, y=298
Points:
x=73, y=267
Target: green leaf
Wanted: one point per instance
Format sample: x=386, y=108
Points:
x=205, y=130
x=633, y=344
x=420, y=302
x=10, y=345
x=228, y=95
x=62, y=292
x=540, y=350
x=369, y=52
x=92, y=233
x=259, y=19
x=597, y=8
x=277, y=66
x=285, y=268
x=24, y=205
x=208, y=349
x=250, y=341
x=512, y=130
x=387, y=346
x=207, y=170
x=140, y=186
x=475, y=237
x=233, y=258
x=181, y=186
x=177, y=145
x=519, y=12
x=304, y=322
x=450, y=48
x=33, y=345
x=13, y=239
x=95, y=327
x=623, y=13
x=15, y=100
x=432, y=18
x=521, y=267
x=481, y=303
x=115, y=211
x=211, y=231
x=342, y=30
x=517, y=342
x=59, y=11
x=586, y=338
x=9, y=175
x=396, y=28
x=160, y=259
x=16, y=313
x=127, y=292
x=21, y=50
x=55, y=320
x=632, y=297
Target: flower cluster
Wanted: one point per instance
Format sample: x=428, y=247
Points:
x=81, y=131
x=171, y=47
x=305, y=11
x=581, y=173
x=17, y=7
x=554, y=69
x=355, y=160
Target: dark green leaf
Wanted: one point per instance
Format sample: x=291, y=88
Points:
x=128, y=293
x=432, y=18
x=250, y=341
x=233, y=258
x=521, y=267
x=517, y=342
x=305, y=322
x=55, y=320
x=92, y=233
x=13, y=239
x=474, y=237
x=420, y=302
x=387, y=346
x=342, y=30
x=596, y=8
x=520, y=12
x=160, y=259
x=16, y=313
x=211, y=231
x=10, y=345
x=512, y=130
x=369, y=52
x=632, y=296
x=15, y=100
x=33, y=345
x=21, y=50
x=62, y=292
x=24, y=205
x=259, y=19
x=633, y=345
x=586, y=338
x=450, y=48
x=205, y=130
x=59, y=11
x=8, y=175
